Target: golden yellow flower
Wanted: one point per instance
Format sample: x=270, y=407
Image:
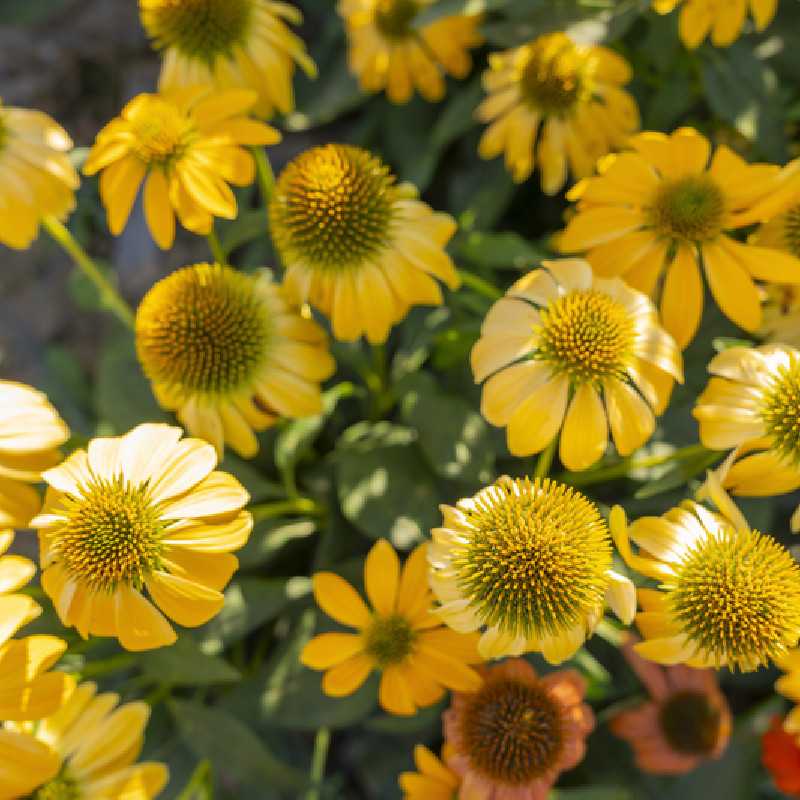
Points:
x=433, y=780
x=529, y=562
x=789, y=686
x=669, y=207
x=400, y=637
x=723, y=19
x=37, y=178
x=140, y=512
x=232, y=44
x=186, y=146
x=356, y=245
x=560, y=342
x=229, y=353
x=557, y=105
x=729, y=596
x=93, y=743
x=389, y=50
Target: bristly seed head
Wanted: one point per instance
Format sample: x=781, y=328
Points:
x=199, y=29
x=394, y=17
x=204, y=328
x=736, y=595
x=690, y=723
x=554, y=79
x=512, y=731
x=333, y=208
x=791, y=226
x=690, y=209
x=780, y=411
x=389, y=640
x=161, y=132
x=62, y=787
x=536, y=559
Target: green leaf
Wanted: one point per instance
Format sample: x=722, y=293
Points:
x=505, y=250
x=452, y=435
x=235, y=752
x=122, y=396
x=249, y=225
x=385, y=487
x=28, y=12
x=271, y=537
x=249, y=603
x=185, y=664
x=446, y=8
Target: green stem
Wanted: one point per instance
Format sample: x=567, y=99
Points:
x=94, y=669
x=266, y=177
x=377, y=381
x=545, y=460
x=110, y=296
x=197, y=781
x=321, y=745
x=480, y=285
x=624, y=467
x=216, y=247
x=279, y=508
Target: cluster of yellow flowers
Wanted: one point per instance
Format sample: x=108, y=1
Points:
x=138, y=531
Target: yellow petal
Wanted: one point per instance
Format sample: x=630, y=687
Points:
x=347, y=677
x=329, y=649
x=139, y=625
x=682, y=297
x=158, y=210
x=631, y=418
x=339, y=600
x=536, y=421
x=381, y=577
x=585, y=434
x=188, y=603
x=394, y=693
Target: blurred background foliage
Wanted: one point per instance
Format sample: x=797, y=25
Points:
x=235, y=715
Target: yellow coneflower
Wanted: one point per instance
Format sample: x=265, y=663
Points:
x=512, y=738
x=750, y=406
x=669, y=206
x=230, y=354
x=186, y=146
x=93, y=743
x=356, y=245
x=557, y=105
x=729, y=596
x=433, y=779
x=530, y=563
x=724, y=20
x=144, y=512
x=685, y=722
x=560, y=342
x=399, y=637
x=37, y=178
x=232, y=44
x=388, y=50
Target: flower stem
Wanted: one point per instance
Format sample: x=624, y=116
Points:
x=294, y=505
x=266, y=177
x=321, y=745
x=377, y=380
x=216, y=247
x=110, y=296
x=480, y=285
x=545, y=460
x=197, y=781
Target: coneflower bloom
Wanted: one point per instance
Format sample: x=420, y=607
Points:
x=231, y=44
x=136, y=515
x=570, y=355
x=355, y=244
x=685, y=722
x=556, y=105
x=528, y=562
x=513, y=737
x=433, y=780
x=400, y=637
x=729, y=596
x=37, y=178
x=230, y=354
x=669, y=207
x=185, y=146
x=389, y=50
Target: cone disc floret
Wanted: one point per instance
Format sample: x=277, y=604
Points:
x=791, y=223
x=781, y=411
x=161, y=132
x=736, y=595
x=689, y=208
x=554, y=76
x=60, y=788
x=200, y=29
x=204, y=328
x=586, y=334
x=333, y=207
x=389, y=640
x=393, y=18
x=691, y=722
x=537, y=557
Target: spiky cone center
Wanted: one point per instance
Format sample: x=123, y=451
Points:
x=333, y=208
x=389, y=640
x=780, y=411
x=62, y=787
x=512, y=731
x=537, y=557
x=689, y=209
x=204, y=329
x=736, y=596
x=791, y=222
x=393, y=18
x=199, y=29
x=162, y=133
x=110, y=535
x=554, y=76
x=587, y=335
x=690, y=723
